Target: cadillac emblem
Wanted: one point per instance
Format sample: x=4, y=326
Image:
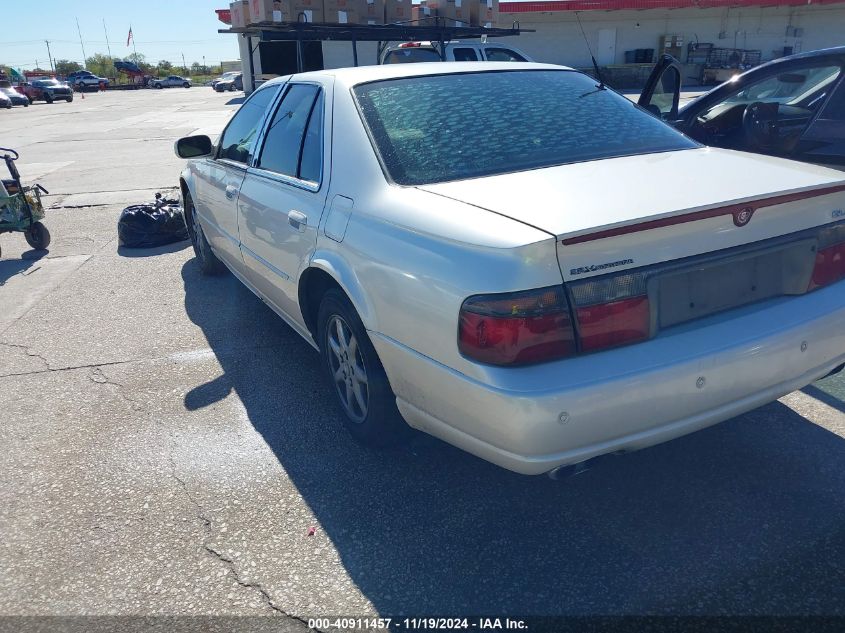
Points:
x=743, y=216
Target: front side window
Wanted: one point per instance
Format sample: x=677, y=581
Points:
x=663, y=98
x=835, y=108
x=283, y=143
x=238, y=140
x=438, y=128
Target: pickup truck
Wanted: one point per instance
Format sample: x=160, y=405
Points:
x=48, y=90
x=409, y=52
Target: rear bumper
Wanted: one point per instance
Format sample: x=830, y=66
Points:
x=532, y=420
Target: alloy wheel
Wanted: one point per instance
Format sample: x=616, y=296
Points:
x=347, y=368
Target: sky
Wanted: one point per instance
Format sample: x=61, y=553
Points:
x=162, y=29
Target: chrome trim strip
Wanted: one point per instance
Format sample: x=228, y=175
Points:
x=246, y=250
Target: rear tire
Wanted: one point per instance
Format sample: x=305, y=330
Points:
x=37, y=236
x=70, y=98
x=48, y=99
x=356, y=374
x=208, y=261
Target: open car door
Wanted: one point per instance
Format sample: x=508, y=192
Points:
x=662, y=91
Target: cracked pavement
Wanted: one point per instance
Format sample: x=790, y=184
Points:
x=168, y=442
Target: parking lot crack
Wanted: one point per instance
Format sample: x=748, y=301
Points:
x=29, y=353
x=98, y=376
x=229, y=563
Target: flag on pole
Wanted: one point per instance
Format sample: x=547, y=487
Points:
x=129, y=37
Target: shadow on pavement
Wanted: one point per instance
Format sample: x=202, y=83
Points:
x=742, y=518
x=154, y=250
x=11, y=267
x=831, y=391
x=236, y=100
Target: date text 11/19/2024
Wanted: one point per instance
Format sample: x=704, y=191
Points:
x=430, y=624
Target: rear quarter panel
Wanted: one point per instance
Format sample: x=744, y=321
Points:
x=412, y=257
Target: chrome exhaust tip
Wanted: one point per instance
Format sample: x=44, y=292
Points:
x=571, y=470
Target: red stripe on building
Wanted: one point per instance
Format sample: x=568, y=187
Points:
x=637, y=5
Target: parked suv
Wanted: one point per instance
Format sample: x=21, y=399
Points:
x=233, y=82
x=48, y=90
x=82, y=79
x=409, y=52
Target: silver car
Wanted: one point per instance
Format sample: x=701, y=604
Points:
x=173, y=81
x=518, y=260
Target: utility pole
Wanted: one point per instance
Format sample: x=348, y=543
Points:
x=184, y=65
x=50, y=57
x=84, y=56
x=108, y=46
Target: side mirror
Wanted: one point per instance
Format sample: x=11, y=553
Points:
x=193, y=146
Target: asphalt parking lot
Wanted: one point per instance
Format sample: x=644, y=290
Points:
x=168, y=442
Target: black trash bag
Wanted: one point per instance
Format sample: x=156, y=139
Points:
x=146, y=225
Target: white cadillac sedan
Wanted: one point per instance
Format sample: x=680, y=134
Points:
x=518, y=261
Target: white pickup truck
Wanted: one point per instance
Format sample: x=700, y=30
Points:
x=409, y=52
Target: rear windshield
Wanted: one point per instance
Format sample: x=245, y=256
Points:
x=451, y=127
x=411, y=55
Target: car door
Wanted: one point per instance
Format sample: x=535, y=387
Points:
x=284, y=192
x=784, y=108
x=218, y=179
x=824, y=140
x=662, y=92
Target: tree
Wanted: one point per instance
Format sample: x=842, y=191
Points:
x=64, y=67
x=101, y=65
x=164, y=67
x=141, y=61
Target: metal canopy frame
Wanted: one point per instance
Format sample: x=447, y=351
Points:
x=435, y=30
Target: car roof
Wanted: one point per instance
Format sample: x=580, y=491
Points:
x=363, y=74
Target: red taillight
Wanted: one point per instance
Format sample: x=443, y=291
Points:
x=516, y=328
x=830, y=266
x=615, y=323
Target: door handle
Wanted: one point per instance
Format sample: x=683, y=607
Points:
x=231, y=191
x=298, y=220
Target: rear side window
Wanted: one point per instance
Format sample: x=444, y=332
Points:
x=238, y=141
x=439, y=128
x=503, y=55
x=465, y=55
x=411, y=55
x=285, y=140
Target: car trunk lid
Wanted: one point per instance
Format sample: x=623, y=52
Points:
x=639, y=210
x=649, y=243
